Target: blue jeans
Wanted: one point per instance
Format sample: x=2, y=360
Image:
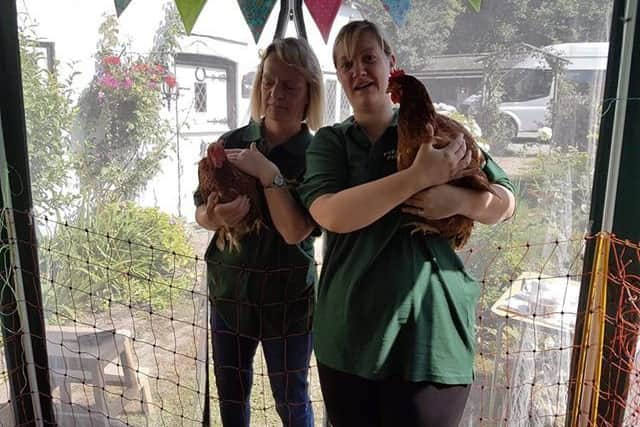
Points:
x=287, y=364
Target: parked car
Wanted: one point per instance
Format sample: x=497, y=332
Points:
x=530, y=85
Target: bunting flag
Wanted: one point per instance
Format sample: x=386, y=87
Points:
x=121, y=5
x=476, y=4
x=189, y=12
x=397, y=9
x=323, y=13
x=256, y=13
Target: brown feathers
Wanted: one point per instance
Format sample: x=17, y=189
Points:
x=217, y=175
x=416, y=111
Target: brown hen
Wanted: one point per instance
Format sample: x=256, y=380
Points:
x=217, y=175
x=416, y=111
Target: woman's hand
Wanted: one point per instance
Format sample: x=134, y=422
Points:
x=254, y=163
x=434, y=166
x=441, y=201
x=227, y=214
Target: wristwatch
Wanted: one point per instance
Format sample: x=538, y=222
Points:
x=278, y=182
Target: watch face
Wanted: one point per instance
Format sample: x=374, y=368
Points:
x=278, y=181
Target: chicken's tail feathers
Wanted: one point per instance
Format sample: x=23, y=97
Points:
x=229, y=239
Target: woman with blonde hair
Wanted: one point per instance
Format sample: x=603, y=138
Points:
x=264, y=293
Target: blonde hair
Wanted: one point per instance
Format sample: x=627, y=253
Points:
x=349, y=35
x=298, y=54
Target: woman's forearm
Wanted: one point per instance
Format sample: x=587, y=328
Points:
x=288, y=216
x=489, y=208
x=360, y=206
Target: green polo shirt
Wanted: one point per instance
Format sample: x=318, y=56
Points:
x=266, y=289
x=390, y=303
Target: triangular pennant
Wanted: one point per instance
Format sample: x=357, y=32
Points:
x=121, y=5
x=397, y=9
x=189, y=12
x=323, y=13
x=256, y=13
x=475, y=4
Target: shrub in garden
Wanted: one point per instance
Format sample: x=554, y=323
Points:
x=125, y=254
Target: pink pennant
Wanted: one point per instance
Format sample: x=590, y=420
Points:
x=324, y=13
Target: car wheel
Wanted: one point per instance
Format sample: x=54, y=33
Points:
x=509, y=129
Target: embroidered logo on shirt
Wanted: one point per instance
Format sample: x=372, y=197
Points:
x=390, y=154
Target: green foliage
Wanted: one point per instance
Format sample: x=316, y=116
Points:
x=560, y=184
x=497, y=128
x=110, y=145
x=48, y=113
x=495, y=254
x=425, y=32
x=120, y=135
x=575, y=122
x=123, y=254
x=502, y=23
x=165, y=41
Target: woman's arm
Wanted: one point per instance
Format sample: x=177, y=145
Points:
x=289, y=218
x=360, y=206
x=447, y=200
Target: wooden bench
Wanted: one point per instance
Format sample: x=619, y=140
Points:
x=86, y=355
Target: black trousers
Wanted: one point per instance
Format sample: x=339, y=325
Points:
x=354, y=401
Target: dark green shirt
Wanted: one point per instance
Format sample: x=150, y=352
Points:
x=390, y=303
x=265, y=289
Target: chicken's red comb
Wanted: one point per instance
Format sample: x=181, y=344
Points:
x=398, y=72
x=216, y=153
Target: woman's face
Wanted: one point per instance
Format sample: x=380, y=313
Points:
x=284, y=91
x=364, y=77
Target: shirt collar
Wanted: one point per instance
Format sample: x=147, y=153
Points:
x=350, y=125
x=296, y=145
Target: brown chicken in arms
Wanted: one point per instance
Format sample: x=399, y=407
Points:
x=416, y=111
x=216, y=174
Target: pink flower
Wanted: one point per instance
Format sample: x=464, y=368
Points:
x=109, y=81
x=127, y=83
x=111, y=60
x=101, y=95
x=170, y=81
x=140, y=67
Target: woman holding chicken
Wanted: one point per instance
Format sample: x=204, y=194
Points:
x=263, y=292
x=394, y=320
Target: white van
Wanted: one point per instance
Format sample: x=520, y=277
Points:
x=529, y=85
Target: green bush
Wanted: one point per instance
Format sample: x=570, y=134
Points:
x=125, y=254
x=48, y=115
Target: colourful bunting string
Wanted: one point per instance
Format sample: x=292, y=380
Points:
x=256, y=13
x=323, y=13
x=189, y=12
x=121, y=5
x=397, y=9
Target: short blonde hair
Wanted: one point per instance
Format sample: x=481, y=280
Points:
x=298, y=54
x=349, y=35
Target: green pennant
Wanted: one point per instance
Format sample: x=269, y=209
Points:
x=121, y=5
x=189, y=12
x=475, y=4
